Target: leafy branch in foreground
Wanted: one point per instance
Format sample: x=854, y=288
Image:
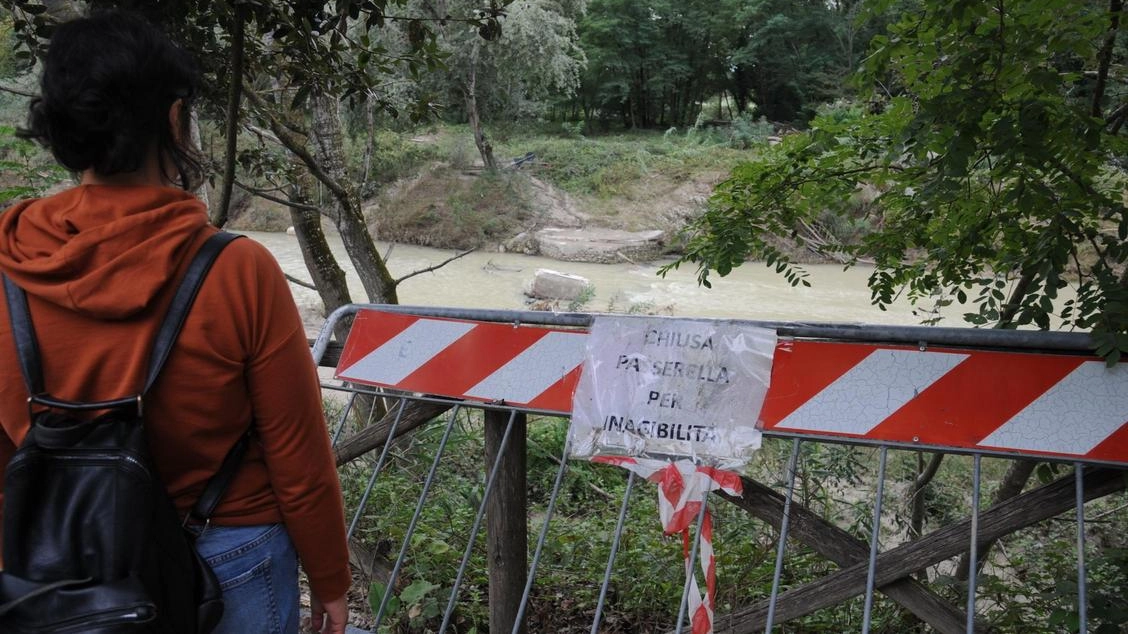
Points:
x=996, y=184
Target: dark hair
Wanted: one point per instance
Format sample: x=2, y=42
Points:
x=108, y=83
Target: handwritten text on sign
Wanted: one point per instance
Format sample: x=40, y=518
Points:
x=672, y=387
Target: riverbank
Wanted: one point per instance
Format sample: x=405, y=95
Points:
x=609, y=199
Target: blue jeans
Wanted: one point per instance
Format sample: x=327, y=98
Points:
x=257, y=568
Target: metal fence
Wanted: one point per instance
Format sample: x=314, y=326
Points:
x=833, y=535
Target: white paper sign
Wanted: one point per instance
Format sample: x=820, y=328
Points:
x=660, y=387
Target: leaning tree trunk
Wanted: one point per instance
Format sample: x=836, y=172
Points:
x=327, y=276
x=470, y=90
x=330, y=282
x=327, y=134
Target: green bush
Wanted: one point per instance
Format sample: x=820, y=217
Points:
x=26, y=170
x=747, y=131
x=394, y=155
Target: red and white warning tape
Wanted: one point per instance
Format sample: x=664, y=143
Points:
x=682, y=487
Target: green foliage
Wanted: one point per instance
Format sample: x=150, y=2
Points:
x=606, y=166
x=532, y=56
x=412, y=607
x=645, y=66
x=1027, y=580
x=385, y=156
x=1038, y=582
x=993, y=166
x=652, y=64
x=7, y=41
x=444, y=208
x=26, y=171
x=747, y=131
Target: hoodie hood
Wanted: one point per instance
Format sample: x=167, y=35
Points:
x=103, y=251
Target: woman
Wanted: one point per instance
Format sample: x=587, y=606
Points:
x=99, y=263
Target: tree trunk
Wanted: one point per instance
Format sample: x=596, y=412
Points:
x=231, y=129
x=327, y=133
x=323, y=269
x=470, y=92
x=198, y=143
x=1104, y=57
x=369, y=139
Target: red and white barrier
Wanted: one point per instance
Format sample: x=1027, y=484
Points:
x=520, y=365
x=682, y=488
x=1062, y=406
x=1032, y=404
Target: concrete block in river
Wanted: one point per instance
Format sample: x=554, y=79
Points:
x=599, y=245
x=549, y=284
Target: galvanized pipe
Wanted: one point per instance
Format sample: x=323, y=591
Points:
x=542, y=537
x=344, y=417
x=973, y=548
x=477, y=524
x=415, y=518
x=689, y=567
x=784, y=525
x=614, y=551
x=1082, y=586
x=873, y=333
x=873, y=541
x=376, y=469
x=321, y=344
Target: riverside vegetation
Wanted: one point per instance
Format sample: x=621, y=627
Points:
x=977, y=159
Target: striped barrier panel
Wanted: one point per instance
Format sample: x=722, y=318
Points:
x=1060, y=406
x=528, y=366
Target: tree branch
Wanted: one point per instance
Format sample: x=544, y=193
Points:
x=263, y=133
x=1006, y=316
x=435, y=267
x=301, y=283
x=253, y=97
x=1104, y=57
x=1116, y=119
x=17, y=91
x=916, y=496
x=287, y=138
x=276, y=199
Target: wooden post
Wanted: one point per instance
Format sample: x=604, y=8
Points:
x=507, y=533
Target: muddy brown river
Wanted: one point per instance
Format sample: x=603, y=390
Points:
x=496, y=280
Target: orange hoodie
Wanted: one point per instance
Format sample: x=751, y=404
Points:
x=99, y=264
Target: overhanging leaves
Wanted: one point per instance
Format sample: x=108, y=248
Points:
x=996, y=187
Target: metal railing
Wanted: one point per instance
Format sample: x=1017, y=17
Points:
x=914, y=573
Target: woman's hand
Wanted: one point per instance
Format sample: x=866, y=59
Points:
x=329, y=617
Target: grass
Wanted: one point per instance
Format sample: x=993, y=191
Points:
x=623, y=165
x=446, y=208
x=632, y=181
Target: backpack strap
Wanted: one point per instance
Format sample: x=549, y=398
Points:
x=23, y=332
x=182, y=303
x=213, y=492
x=27, y=348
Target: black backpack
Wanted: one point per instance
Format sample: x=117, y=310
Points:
x=91, y=541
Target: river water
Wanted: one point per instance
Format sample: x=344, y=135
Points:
x=497, y=280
